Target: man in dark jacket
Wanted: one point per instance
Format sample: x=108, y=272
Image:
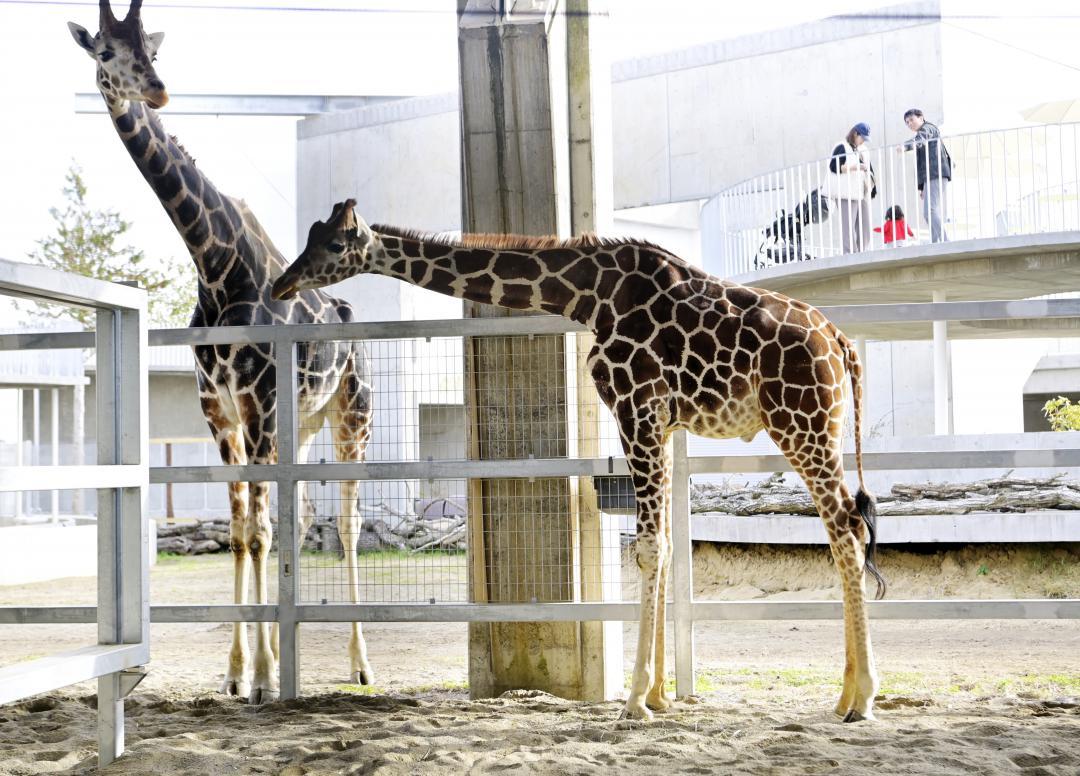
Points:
x=933, y=168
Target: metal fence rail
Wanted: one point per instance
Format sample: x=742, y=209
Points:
x=294, y=601
x=1019, y=181
x=121, y=479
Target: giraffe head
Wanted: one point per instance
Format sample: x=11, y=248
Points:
x=124, y=55
x=336, y=249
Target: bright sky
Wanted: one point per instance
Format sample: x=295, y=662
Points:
x=395, y=47
x=999, y=57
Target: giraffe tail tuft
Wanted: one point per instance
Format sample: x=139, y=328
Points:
x=867, y=506
x=864, y=502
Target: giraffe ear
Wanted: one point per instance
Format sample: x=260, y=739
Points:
x=83, y=38
x=155, y=41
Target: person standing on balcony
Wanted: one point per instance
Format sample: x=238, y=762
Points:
x=851, y=185
x=933, y=168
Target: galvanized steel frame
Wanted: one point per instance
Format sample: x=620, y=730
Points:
x=121, y=478
x=289, y=613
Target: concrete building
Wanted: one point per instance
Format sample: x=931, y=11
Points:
x=686, y=125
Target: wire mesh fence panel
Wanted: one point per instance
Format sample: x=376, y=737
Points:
x=537, y=540
x=417, y=399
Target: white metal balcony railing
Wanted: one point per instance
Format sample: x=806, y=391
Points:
x=1004, y=182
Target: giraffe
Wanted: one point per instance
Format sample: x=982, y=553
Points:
x=235, y=262
x=675, y=349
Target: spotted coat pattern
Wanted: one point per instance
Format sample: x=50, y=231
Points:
x=675, y=349
x=236, y=263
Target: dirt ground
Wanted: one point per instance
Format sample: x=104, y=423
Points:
x=956, y=696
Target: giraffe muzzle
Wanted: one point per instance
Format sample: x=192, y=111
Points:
x=157, y=99
x=285, y=287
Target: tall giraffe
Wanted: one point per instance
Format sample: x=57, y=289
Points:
x=236, y=262
x=675, y=349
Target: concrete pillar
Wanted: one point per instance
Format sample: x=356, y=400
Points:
x=78, y=438
x=35, y=444
x=54, y=431
x=592, y=210
x=525, y=535
x=19, y=432
x=942, y=414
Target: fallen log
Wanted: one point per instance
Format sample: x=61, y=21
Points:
x=1002, y=494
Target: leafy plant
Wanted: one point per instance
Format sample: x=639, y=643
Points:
x=1062, y=414
x=90, y=242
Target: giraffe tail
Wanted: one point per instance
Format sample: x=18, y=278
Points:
x=864, y=500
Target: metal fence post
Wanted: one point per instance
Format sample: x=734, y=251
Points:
x=682, y=567
x=288, y=542
x=123, y=579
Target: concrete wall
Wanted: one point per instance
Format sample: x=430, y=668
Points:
x=684, y=124
x=693, y=122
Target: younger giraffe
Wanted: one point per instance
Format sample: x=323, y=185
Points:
x=235, y=262
x=675, y=349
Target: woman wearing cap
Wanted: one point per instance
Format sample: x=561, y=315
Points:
x=851, y=185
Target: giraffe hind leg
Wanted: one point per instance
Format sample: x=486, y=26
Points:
x=822, y=471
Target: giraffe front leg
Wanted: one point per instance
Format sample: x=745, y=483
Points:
x=264, y=684
x=647, y=474
x=348, y=530
x=236, y=673
x=351, y=438
x=657, y=698
x=648, y=560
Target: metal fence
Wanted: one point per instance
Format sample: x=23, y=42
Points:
x=433, y=586
x=1004, y=182
x=121, y=478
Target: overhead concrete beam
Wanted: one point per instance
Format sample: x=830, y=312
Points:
x=1014, y=267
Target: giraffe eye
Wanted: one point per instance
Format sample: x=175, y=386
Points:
x=106, y=55
x=336, y=247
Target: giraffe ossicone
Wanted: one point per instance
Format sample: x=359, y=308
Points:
x=675, y=349
x=236, y=263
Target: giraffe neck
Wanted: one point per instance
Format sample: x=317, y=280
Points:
x=207, y=221
x=567, y=280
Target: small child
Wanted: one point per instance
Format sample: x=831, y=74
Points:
x=894, y=229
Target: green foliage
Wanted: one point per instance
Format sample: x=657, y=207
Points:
x=89, y=242
x=1062, y=414
x=982, y=571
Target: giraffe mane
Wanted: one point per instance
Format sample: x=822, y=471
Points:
x=183, y=150
x=511, y=241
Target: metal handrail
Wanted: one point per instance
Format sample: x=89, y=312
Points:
x=1017, y=181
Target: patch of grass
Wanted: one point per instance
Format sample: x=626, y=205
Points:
x=905, y=683
x=1039, y=685
x=447, y=686
x=360, y=689
x=178, y=562
x=982, y=571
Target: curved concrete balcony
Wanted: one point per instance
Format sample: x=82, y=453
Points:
x=1013, y=267
x=1012, y=223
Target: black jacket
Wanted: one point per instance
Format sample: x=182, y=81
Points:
x=839, y=159
x=932, y=160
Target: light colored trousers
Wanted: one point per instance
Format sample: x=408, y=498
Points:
x=933, y=208
x=854, y=224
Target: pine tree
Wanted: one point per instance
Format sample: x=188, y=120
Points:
x=90, y=242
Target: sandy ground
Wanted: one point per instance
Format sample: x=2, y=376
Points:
x=956, y=697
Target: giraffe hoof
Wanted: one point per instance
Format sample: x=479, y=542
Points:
x=659, y=704
x=636, y=711
x=855, y=716
x=261, y=695
x=364, y=676
x=236, y=687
